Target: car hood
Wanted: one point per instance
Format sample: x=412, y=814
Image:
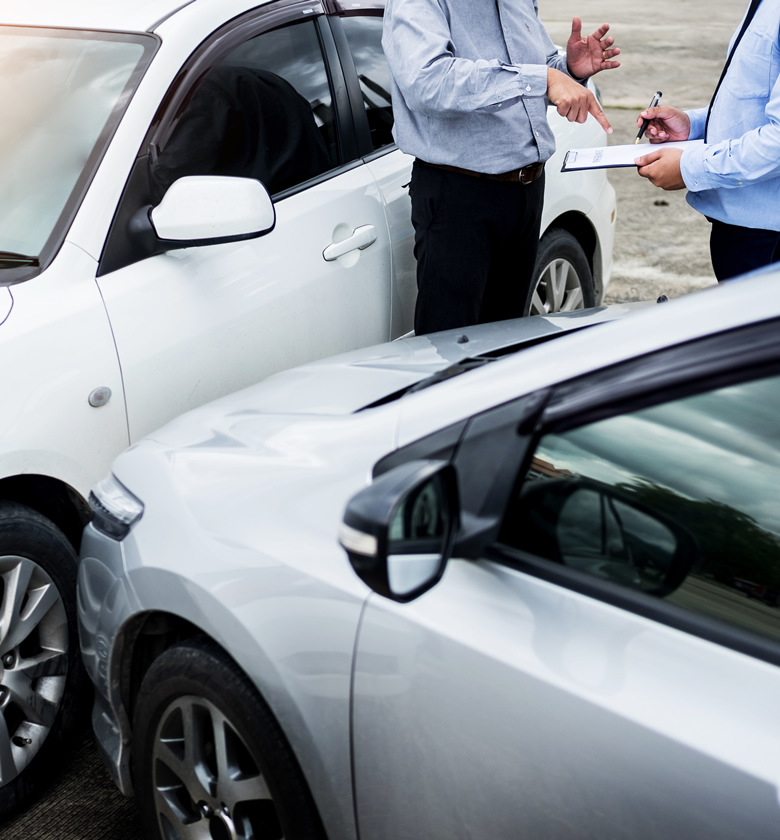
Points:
x=353, y=381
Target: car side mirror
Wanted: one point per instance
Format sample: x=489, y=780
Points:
x=398, y=532
x=605, y=531
x=204, y=210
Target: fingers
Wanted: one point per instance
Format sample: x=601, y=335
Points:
x=576, y=29
x=647, y=159
x=598, y=113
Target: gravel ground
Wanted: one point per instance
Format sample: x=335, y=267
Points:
x=661, y=248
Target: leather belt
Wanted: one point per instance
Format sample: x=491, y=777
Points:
x=526, y=175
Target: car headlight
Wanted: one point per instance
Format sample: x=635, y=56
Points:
x=116, y=508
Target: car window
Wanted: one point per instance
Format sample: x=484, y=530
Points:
x=67, y=90
x=364, y=35
x=264, y=111
x=679, y=501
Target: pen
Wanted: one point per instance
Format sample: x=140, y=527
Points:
x=655, y=101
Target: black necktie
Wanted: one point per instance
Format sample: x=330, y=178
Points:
x=748, y=17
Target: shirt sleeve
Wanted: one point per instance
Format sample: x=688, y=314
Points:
x=753, y=157
x=698, y=118
x=433, y=81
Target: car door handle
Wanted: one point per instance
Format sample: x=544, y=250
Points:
x=361, y=238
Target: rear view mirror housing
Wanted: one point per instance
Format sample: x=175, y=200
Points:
x=398, y=532
x=204, y=210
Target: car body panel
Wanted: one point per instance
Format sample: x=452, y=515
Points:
x=63, y=349
x=351, y=381
x=220, y=317
x=596, y=719
x=236, y=596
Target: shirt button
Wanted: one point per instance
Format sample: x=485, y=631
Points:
x=529, y=87
x=739, y=183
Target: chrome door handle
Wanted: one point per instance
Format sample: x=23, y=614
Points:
x=361, y=238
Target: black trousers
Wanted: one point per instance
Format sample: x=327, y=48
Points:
x=735, y=250
x=475, y=241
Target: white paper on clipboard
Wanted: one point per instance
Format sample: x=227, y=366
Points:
x=609, y=157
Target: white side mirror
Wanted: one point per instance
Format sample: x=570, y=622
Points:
x=209, y=208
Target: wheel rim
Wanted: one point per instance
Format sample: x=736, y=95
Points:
x=33, y=661
x=206, y=782
x=559, y=289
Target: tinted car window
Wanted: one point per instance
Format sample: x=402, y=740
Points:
x=679, y=500
x=265, y=111
x=364, y=35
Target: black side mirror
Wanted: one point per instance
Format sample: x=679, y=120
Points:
x=398, y=532
x=605, y=531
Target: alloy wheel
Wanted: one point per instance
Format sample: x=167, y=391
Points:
x=559, y=289
x=33, y=661
x=206, y=782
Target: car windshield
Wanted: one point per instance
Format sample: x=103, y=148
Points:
x=61, y=94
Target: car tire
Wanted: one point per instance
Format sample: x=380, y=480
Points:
x=43, y=685
x=564, y=281
x=194, y=709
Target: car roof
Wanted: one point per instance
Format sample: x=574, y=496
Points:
x=124, y=15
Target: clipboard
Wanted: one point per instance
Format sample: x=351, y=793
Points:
x=613, y=157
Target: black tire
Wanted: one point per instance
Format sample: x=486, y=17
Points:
x=564, y=281
x=44, y=690
x=191, y=694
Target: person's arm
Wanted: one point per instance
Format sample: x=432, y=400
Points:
x=749, y=159
x=416, y=41
x=729, y=164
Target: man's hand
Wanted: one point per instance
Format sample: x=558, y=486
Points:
x=587, y=56
x=662, y=168
x=666, y=124
x=573, y=100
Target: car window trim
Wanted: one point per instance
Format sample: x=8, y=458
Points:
x=673, y=373
x=664, y=612
x=352, y=84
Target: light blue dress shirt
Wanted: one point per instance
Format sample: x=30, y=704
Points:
x=469, y=81
x=735, y=177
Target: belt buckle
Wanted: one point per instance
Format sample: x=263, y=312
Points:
x=528, y=174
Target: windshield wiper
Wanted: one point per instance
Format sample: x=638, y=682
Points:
x=10, y=259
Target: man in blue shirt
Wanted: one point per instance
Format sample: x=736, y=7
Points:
x=470, y=82
x=734, y=178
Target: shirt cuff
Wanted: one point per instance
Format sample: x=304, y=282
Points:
x=532, y=78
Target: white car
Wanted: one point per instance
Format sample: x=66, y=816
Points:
x=145, y=270
x=557, y=615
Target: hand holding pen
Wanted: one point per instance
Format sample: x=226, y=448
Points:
x=663, y=123
x=646, y=121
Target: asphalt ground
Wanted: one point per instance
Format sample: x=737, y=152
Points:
x=676, y=46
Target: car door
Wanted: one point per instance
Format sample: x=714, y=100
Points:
x=358, y=31
x=608, y=667
x=263, y=98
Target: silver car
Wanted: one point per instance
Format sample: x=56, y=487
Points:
x=520, y=580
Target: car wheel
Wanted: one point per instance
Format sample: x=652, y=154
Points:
x=563, y=277
x=209, y=759
x=43, y=685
